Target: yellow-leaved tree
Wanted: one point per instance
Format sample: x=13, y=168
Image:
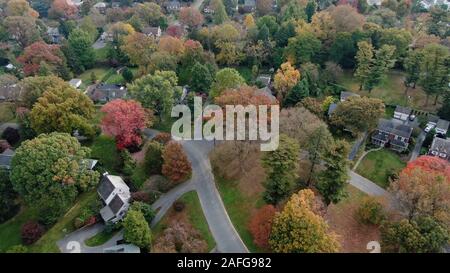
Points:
x=286, y=78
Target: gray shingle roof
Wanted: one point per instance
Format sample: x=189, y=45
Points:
x=116, y=204
x=442, y=124
x=105, y=188
x=441, y=145
x=395, y=128
x=403, y=110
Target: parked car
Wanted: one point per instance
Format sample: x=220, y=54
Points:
x=429, y=127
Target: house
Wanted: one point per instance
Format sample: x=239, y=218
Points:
x=5, y=158
x=101, y=7
x=152, y=31
x=10, y=92
x=393, y=133
x=249, y=6
x=104, y=92
x=442, y=126
x=402, y=113
x=172, y=6
x=208, y=10
x=106, y=37
x=122, y=248
x=345, y=95
x=115, y=195
x=53, y=34
x=264, y=79
x=440, y=147
x=332, y=108
x=75, y=83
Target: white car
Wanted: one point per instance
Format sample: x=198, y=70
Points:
x=429, y=128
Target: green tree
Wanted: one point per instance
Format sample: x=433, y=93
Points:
x=280, y=165
x=8, y=204
x=34, y=87
x=412, y=64
x=382, y=63
x=343, y=50
x=63, y=109
x=136, y=230
x=226, y=78
x=156, y=91
x=220, y=14
x=297, y=93
x=293, y=11
x=331, y=182
x=434, y=70
x=201, y=78
x=80, y=54
x=317, y=145
x=298, y=229
x=303, y=48
x=127, y=74
x=444, y=111
x=310, y=9
x=364, y=59
x=49, y=171
x=153, y=157
x=230, y=6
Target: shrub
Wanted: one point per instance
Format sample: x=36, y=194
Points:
x=163, y=138
x=11, y=135
x=127, y=74
x=140, y=196
x=146, y=210
x=178, y=206
x=177, y=166
x=371, y=211
x=136, y=230
x=153, y=158
x=128, y=162
x=31, y=232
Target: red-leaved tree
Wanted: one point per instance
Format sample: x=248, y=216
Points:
x=37, y=53
x=124, y=120
x=260, y=225
x=176, y=166
x=430, y=164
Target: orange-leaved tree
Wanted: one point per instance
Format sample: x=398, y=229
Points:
x=177, y=166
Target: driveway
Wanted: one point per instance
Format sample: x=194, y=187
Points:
x=365, y=185
x=355, y=147
x=419, y=141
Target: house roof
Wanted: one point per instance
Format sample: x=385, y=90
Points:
x=332, y=108
x=105, y=91
x=396, y=128
x=151, y=31
x=116, y=204
x=75, y=82
x=100, y=5
x=106, y=213
x=106, y=187
x=442, y=124
x=441, y=145
x=403, y=110
x=90, y=163
x=10, y=92
x=345, y=95
x=264, y=79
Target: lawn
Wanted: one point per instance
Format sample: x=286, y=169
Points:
x=6, y=111
x=104, y=149
x=377, y=166
x=391, y=91
x=100, y=72
x=239, y=208
x=10, y=230
x=101, y=54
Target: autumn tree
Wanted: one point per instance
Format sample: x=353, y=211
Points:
x=124, y=120
x=226, y=78
x=33, y=88
x=139, y=49
x=20, y=8
x=280, y=166
x=63, y=109
x=22, y=29
x=358, y=114
x=298, y=229
x=249, y=21
x=30, y=232
x=156, y=91
x=346, y=18
x=260, y=225
x=285, y=78
x=153, y=157
x=229, y=53
x=191, y=17
x=62, y=9
x=171, y=45
x=38, y=53
x=177, y=166
x=48, y=172
x=323, y=27
x=136, y=229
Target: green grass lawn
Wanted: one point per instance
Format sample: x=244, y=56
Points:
x=101, y=54
x=100, y=72
x=391, y=91
x=239, y=209
x=378, y=165
x=100, y=238
x=104, y=149
x=10, y=230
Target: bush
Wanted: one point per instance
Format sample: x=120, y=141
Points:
x=178, y=206
x=128, y=162
x=163, y=138
x=371, y=212
x=146, y=210
x=177, y=166
x=31, y=232
x=153, y=158
x=11, y=135
x=140, y=196
x=127, y=74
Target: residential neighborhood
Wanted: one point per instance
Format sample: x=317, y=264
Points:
x=116, y=135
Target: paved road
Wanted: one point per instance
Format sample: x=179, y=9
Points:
x=365, y=185
x=419, y=141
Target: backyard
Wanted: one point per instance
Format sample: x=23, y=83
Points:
x=391, y=91
x=379, y=165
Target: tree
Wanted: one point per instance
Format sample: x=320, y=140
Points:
x=423, y=188
x=298, y=229
x=382, y=63
x=297, y=93
x=425, y=235
x=285, y=79
x=22, y=29
x=230, y=6
x=201, y=78
x=171, y=45
x=229, y=54
x=323, y=27
x=38, y=53
x=156, y=91
x=343, y=50
x=176, y=31
x=136, y=230
x=249, y=21
x=260, y=225
x=317, y=145
x=33, y=88
x=310, y=9
x=191, y=17
x=145, y=209
x=226, y=78
x=127, y=75
x=220, y=14
x=31, y=232
x=153, y=158
x=303, y=48
x=11, y=135
x=8, y=204
x=370, y=211
x=139, y=49
x=49, y=171
x=81, y=55
x=383, y=17
x=280, y=166
x=20, y=8
x=124, y=120
x=444, y=111
x=412, y=68
x=346, y=18
x=358, y=114
x=364, y=59
x=264, y=7
x=63, y=109
x=62, y=9
x=177, y=166
x=434, y=70
x=331, y=182
x=293, y=11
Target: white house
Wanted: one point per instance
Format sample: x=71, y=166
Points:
x=75, y=83
x=402, y=113
x=115, y=194
x=152, y=31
